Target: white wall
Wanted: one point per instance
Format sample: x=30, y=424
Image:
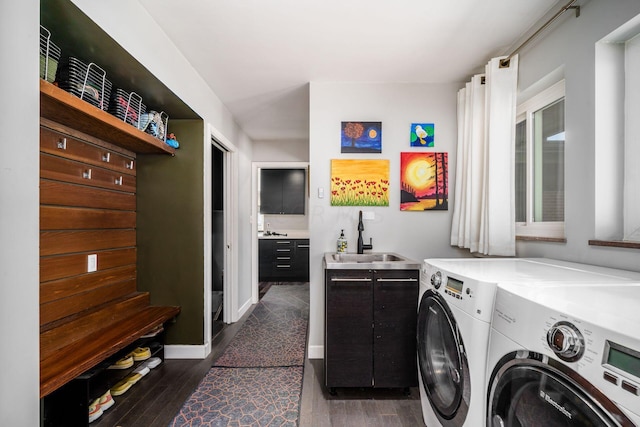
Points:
x=19, y=218
x=571, y=46
x=417, y=235
x=281, y=151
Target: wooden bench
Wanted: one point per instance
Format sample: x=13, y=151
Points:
x=71, y=346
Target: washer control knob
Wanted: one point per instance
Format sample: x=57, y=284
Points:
x=436, y=280
x=566, y=341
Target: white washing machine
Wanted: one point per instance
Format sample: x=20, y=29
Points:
x=564, y=356
x=454, y=314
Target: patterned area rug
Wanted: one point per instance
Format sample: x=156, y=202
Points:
x=244, y=397
x=274, y=334
x=257, y=380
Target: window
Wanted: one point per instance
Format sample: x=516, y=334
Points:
x=539, y=164
x=617, y=147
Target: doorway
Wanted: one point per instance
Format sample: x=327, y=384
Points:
x=217, y=238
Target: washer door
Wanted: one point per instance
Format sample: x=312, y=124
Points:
x=528, y=389
x=443, y=361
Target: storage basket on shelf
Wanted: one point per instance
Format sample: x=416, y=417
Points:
x=155, y=124
x=87, y=82
x=127, y=107
x=49, y=56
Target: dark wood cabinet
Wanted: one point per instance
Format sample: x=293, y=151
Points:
x=283, y=260
x=370, y=328
x=282, y=191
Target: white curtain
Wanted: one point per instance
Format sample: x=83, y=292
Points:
x=484, y=208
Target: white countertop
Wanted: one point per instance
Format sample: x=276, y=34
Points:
x=291, y=234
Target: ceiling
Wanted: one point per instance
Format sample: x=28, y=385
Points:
x=259, y=56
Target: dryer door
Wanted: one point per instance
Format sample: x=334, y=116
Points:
x=443, y=361
x=528, y=389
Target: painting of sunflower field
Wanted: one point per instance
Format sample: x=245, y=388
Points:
x=359, y=182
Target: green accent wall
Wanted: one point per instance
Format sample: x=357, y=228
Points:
x=170, y=230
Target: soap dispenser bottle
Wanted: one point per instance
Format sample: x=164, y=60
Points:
x=342, y=243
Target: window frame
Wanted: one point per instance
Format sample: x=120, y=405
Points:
x=526, y=111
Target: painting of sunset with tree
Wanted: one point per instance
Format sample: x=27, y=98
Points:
x=424, y=181
x=359, y=182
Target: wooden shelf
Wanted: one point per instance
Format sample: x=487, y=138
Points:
x=64, y=108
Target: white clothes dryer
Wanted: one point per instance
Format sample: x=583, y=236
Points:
x=564, y=356
x=454, y=314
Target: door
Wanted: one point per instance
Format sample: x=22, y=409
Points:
x=217, y=235
x=348, y=329
x=442, y=360
x=395, y=294
x=530, y=390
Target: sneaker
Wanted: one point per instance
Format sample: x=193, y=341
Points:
x=133, y=378
x=120, y=388
x=153, y=332
x=140, y=354
x=95, y=411
x=124, y=363
x=153, y=362
x=142, y=370
x=106, y=401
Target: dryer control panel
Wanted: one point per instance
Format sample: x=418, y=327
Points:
x=472, y=296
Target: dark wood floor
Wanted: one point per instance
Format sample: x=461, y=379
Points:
x=155, y=400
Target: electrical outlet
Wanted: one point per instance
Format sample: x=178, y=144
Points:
x=92, y=263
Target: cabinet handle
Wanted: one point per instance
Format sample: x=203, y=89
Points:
x=283, y=257
x=62, y=144
x=129, y=165
x=118, y=181
x=408, y=279
x=283, y=250
x=106, y=157
x=340, y=279
x=283, y=242
x=86, y=174
x=303, y=246
x=283, y=265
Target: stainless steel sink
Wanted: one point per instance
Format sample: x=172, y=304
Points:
x=372, y=260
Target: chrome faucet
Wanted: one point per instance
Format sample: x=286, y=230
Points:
x=362, y=246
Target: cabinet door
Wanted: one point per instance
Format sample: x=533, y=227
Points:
x=282, y=191
x=293, y=191
x=300, y=264
x=266, y=250
x=395, y=300
x=348, y=328
x=270, y=191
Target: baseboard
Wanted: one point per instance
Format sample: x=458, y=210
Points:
x=315, y=352
x=187, y=351
x=242, y=310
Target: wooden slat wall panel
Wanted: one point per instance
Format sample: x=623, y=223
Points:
x=67, y=218
x=64, y=194
x=65, y=242
x=71, y=148
x=69, y=286
x=57, y=168
x=57, y=267
x=77, y=303
x=82, y=215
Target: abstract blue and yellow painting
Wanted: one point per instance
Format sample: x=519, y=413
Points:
x=361, y=137
x=422, y=134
